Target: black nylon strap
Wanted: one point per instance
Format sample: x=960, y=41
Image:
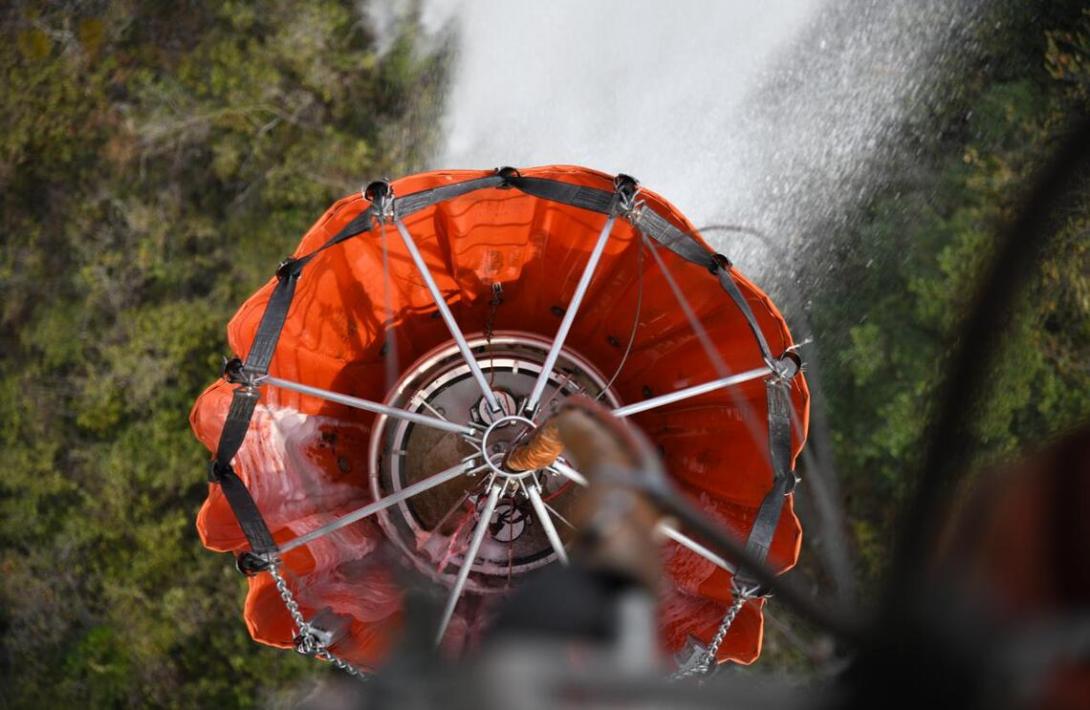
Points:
x=778, y=391
x=661, y=230
x=234, y=490
x=602, y=201
x=587, y=198
x=645, y=219
x=245, y=510
x=407, y=205
x=417, y=201
x=243, y=402
x=359, y=224
x=727, y=282
x=778, y=397
x=272, y=320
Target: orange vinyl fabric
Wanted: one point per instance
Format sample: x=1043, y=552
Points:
x=305, y=460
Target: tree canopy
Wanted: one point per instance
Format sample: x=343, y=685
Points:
x=158, y=160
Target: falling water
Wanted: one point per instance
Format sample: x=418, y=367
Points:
x=774, y=115
x=780, y=116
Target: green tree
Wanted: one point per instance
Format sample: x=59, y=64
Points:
x=157, y=161
x=911, y=263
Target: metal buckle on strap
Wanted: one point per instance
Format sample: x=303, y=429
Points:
x=381, y=195
x=786, y=367
x=249, y=564
x=627, y=188
x=506, y=173
x=742, y=589
x=719, y=262
x=217, y=470
x=792, y=483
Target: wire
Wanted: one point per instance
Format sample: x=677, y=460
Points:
x=635, y=321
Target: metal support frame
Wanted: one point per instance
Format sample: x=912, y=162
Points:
x=562, y=468
x=569, y=315
x=534, y=493
x=664, y=526
x=383, y=503
x=667, y=529
x=467, y=561
x=448, y=317
x=622, y=204
x=694, y=391
x=370, y=406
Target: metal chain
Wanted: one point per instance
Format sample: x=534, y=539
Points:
x=493, y=306
x=490, y=321
x=308, y=642
x=707, y=662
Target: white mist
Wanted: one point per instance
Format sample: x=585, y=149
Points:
x=768, y=114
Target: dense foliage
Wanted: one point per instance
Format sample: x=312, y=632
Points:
x=909, y=263
x=157, y=160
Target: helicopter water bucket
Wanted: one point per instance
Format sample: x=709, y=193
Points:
x=419, y=332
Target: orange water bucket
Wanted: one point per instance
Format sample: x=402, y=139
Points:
x=417, y=332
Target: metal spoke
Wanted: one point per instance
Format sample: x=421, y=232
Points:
x=563, y=469
x=546, y=522
x=369, y=406
x=568, y=380
x=668, y=529
x=557, y=515
x=468, y=559
x=569, y=315
x=664, y=526
x=698, y=328
x=745, y=407
x=448, y=317
x=446, y=516
x=693, y=391
x=384, y=503
x=435, y=412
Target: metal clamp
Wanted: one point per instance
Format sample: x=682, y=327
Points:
x=719, y=262
x=289, y=267
x=249, y=564
x=744, y=591
x=506, y=173
x=381, y=195
x=236, y=372
x=786, y=367
x=309, y=640
x=626, y=188
x=216, y=471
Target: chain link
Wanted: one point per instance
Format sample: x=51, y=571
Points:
x=707, y=661
x=490, y=322
x=493, y=306
x=308, y=642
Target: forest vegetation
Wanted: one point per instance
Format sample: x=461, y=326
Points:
x=158, y=159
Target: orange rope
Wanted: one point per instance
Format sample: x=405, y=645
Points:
x=539, y=451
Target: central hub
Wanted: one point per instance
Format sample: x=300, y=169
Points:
x=433, y=528
x=500, y=437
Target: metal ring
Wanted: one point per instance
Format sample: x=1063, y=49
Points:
x=504, y=421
